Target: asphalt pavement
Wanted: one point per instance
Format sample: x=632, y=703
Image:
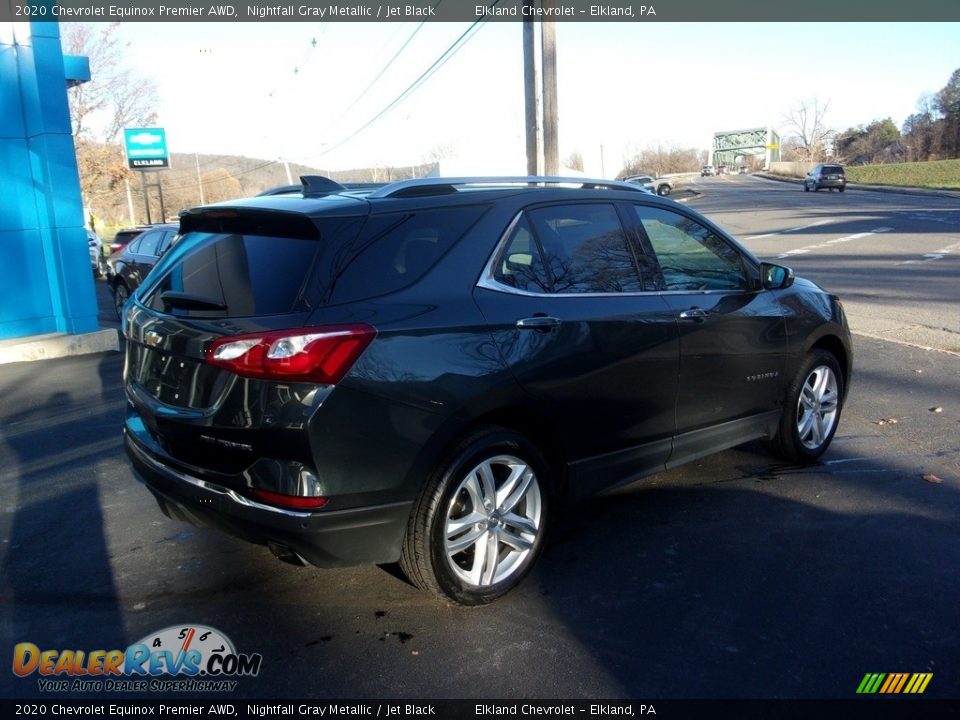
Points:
x=734, y=577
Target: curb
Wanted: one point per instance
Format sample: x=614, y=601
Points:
x=57, y=345
x=899, y=189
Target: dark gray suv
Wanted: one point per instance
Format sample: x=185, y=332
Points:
x=426, y=371
x=831, y=177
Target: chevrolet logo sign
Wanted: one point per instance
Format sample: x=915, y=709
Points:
x=152, y=339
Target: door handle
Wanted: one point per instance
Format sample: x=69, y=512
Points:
x=543, y=323
x=696, y=314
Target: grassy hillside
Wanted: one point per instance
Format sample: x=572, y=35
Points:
x=941, y=174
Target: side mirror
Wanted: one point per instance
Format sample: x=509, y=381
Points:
x=775, y=277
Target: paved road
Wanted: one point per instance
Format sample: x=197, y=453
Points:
x=893, y=258
x=736, y=576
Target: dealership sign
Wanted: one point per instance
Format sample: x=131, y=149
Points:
x=146, y=148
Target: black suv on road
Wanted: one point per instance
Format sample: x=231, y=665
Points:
x=424, y=372
x=831, y=177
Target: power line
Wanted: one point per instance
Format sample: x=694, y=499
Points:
x=383, y=71
x=437, y=64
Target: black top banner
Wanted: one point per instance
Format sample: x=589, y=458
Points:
x=478, y=10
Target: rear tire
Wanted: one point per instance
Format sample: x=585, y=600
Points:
x=121, y=293
x=811, y=412
x=478, y=526
x=806, y=188
x=663, y=190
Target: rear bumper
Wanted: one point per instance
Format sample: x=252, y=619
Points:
x=323, y=538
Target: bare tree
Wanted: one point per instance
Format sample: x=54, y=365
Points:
x=574, y=161
x=114, y=98
x=806, y=121
x=661, y=160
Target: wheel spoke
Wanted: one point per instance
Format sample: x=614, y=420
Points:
x=517, y=542
x=491, y=559
x=456, y=526
x=816, y=428
x=521, y=524
x=472, y=487
x=487, y=483
x=820, y=384
x=473, y=536
x=803, y=427
x=515, y=488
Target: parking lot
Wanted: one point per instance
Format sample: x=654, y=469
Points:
x=733, y=577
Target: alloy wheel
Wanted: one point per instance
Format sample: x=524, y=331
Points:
x=817, y=407
x=492, y=521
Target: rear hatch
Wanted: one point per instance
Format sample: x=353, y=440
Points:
x=233, y=276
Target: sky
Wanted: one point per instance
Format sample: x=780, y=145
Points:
x=304, y=91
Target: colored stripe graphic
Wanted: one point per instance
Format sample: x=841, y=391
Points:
x=894, y=683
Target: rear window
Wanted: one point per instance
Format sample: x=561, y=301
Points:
x=833, y=170
x=249, y=275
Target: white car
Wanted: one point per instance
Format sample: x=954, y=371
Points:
x=97, y=261
x=660, y=186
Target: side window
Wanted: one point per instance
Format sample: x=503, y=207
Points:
x=691, y=257
x=133, y=247
x=585, y=249
x=521, y=265
x=167, y=241
x=148, y=243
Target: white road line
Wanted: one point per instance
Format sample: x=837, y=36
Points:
x=828, y=243
x=789, y=230
x=935, y=255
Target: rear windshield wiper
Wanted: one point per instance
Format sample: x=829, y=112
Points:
x=189, y=301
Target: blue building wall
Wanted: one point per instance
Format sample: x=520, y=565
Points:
x=46, y=283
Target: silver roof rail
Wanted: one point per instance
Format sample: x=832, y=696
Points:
x=421, y=186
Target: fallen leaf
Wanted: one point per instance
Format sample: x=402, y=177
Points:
x=936, y=409
x=887, y=421
x=931, y=478
x=918, y=372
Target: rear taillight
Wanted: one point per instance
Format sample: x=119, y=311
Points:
x=316, y=354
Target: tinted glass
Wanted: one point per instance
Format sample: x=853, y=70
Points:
x=148, y=243
x=250, y=274
x=521, y=265
x=585, y=249
x=832, y=170
x=392, y=252
x=691, y=257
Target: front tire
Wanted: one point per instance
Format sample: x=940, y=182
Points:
x=811, y=412
x=478, y=526
x=663, y=190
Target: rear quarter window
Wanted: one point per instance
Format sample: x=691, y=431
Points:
x=392, y=251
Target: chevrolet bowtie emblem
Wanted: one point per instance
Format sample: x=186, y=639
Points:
x=152, y=339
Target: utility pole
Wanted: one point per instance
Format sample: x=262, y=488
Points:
x=196, y=157
x=531, y=115
x=551, y=151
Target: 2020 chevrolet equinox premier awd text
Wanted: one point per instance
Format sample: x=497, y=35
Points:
x=423, y=372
